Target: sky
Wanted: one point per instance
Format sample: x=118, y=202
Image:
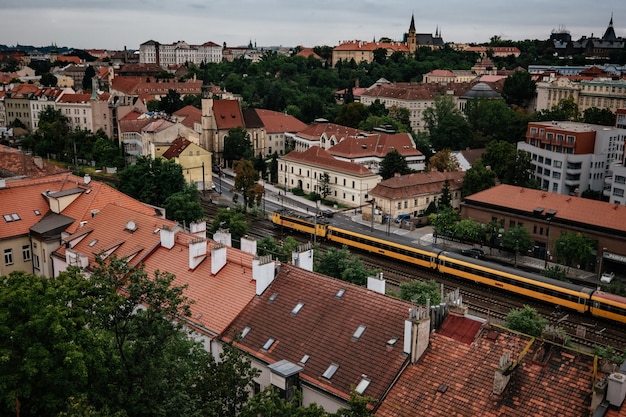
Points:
x=115, y=24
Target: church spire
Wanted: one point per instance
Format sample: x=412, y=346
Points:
x=412, y=25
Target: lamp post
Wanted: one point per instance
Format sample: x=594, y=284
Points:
x=600, y=263
x=549, y=216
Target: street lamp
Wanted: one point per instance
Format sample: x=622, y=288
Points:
x=600, y=263
x=549, y=216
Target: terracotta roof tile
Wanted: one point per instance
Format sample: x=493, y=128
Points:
x=376, y=144
x=319, y=157
x=456, y=378
x=176, y=148
x=371, y=46
x=17, y=163
x=277, y=122
x=227, y=114
x=418, y=183
x=324, y=330
x=569, y=208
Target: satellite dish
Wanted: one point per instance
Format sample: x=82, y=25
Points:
x=131, y=226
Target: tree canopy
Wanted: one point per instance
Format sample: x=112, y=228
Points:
x=393, y=163
x=447, y=126
x=237, y=145
x=152, y=181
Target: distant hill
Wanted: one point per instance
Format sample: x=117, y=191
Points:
x=42, y=49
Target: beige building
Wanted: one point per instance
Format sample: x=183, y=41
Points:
x=413, y=193
x=448, y=76
x=87, y=112
x=361, y=51
x=349, y=182
x=196, y=162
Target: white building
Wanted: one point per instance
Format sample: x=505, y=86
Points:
x=177, y=53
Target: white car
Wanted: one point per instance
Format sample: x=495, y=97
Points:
x=607, y=277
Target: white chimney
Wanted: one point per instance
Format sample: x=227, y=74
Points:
x=218, y=258
x=3, y=183
x=502, y=374
x=616, y=391
x=167, y=237
x=376, y=284
x=302, y=257
x=248, y=245
x=223, y=236
x=263, y=273
x=87, y=179
x=198, y=229
x=197, y=252
x=417, y=332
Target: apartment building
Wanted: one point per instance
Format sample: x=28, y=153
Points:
x=88, y=112
x=571, y=157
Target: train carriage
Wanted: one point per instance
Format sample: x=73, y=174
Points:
x=368, y=243
x=608, y=306
x=305, y=224
x=571, y=296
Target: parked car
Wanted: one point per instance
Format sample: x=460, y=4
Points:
x=473, y=252
x=326, y=213
x=607, y=277
x=402, y=217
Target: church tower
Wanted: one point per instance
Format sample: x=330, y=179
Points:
x=209, y=126
x=411, y=38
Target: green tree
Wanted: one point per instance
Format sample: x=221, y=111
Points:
x=446, y=125
x=237, y=145
x=90, y=72
x=351, y=114
x=477, y=178
x=48, y=80
x=184, y=206
x=445, y=200
x=566, y=109
x=171, y=102
x=324, y=185
x=152, y=181
x=596, y=116
x=517, y=239
x=574, y=249
x=419, y=291
x=393, y=163
x=246, y=183
x=269, y=246
x=519, y=89
x=526, y=320
x=269, y=402
x=444, y=221
x=470, y=230
x=493, y=120
x=232, y=221
x=339, y=263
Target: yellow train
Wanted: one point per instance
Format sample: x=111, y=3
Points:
x=572, y=296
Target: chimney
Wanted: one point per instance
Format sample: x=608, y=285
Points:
x=223, y=236
x=502, y=374
x=263, y=272
x=87, y=179
x=198, y=229
x=197, y=252
x=167, y=237
x=218, y=258
x=3, y=183
x=417, y=332
x=248, y=245
x=302, y=257
x=376, y=284
x=616, y=390
x=38, y=161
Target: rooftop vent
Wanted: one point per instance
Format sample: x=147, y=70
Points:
x=131, y=226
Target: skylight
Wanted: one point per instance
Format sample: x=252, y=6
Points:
x=13, y=217
x=273, y=297
x=304, y=359
x=268, y=344
x=340, y=293
x=359, y=332
x=245, y=331
x=392, y=341
x=331, y=371
x=37, y=212
x=365, y=382
x=297, y=308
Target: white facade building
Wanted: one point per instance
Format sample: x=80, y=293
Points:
x=178, y=53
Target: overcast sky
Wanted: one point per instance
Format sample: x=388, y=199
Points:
x=114, y=24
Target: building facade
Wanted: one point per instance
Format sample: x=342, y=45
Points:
x=177, y=53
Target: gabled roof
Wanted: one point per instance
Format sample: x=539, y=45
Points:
x=457, y=378
x=217, y=298
x=131, y=123
x=18, y=163
x=419, y=183
x=308, y=52
x=371, y=46
x=176, y=148
x=569, y=208
x=377, y=144
x=227, y=114
x=318, y=129
x=318, y=157
x=190, y=116
x=324, y=331
x=277, y=122
x=122, y=231
x=252, y=119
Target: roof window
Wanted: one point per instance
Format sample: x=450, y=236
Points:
x=331, y=371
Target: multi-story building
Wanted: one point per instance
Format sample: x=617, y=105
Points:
x=449, y=76
x=277, y=126
x=362, y=51
x=569, y=157
x=195, y=161
x=17, y=105
x=89, y=112
x=349, y=182
x=152, y=52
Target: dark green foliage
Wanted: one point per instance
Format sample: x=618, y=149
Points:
x=596, y=116
x=184, y=206
x=517, y=239
x=574, y=249
x=246, y=183
x=90, y=72
x=519, y=89
x=48, y=80
x=393, y=163
x=171, y=102
x=232, y=220
x=526, y=320
x=237, y=145
x=420, y=291
x=555, y=272
x=339, y=263
x=446, y=198
x=152, y=181
x=447, y=127
x=566, y=109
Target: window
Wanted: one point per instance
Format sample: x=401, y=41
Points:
x=618, y=192
x=268, y=344
x=297, y=308
x=556, y=175
x=8, y=256
x=365, y=382
x=358, y=332
x=26, y=253
x=557, y=164
x=331, y=371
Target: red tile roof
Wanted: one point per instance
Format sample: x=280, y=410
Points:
x=218, y=298
x=569, y=208
x=122, y=231
x=324, y=330
x=377, y=144
x=277, y=122
x=227, y=114
x=418, y=183
x=18, y=163
x=318, y=129
x=176, y=148
x=371, y=46
x=454, y=378
x=190, y=116
x=319, y=157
